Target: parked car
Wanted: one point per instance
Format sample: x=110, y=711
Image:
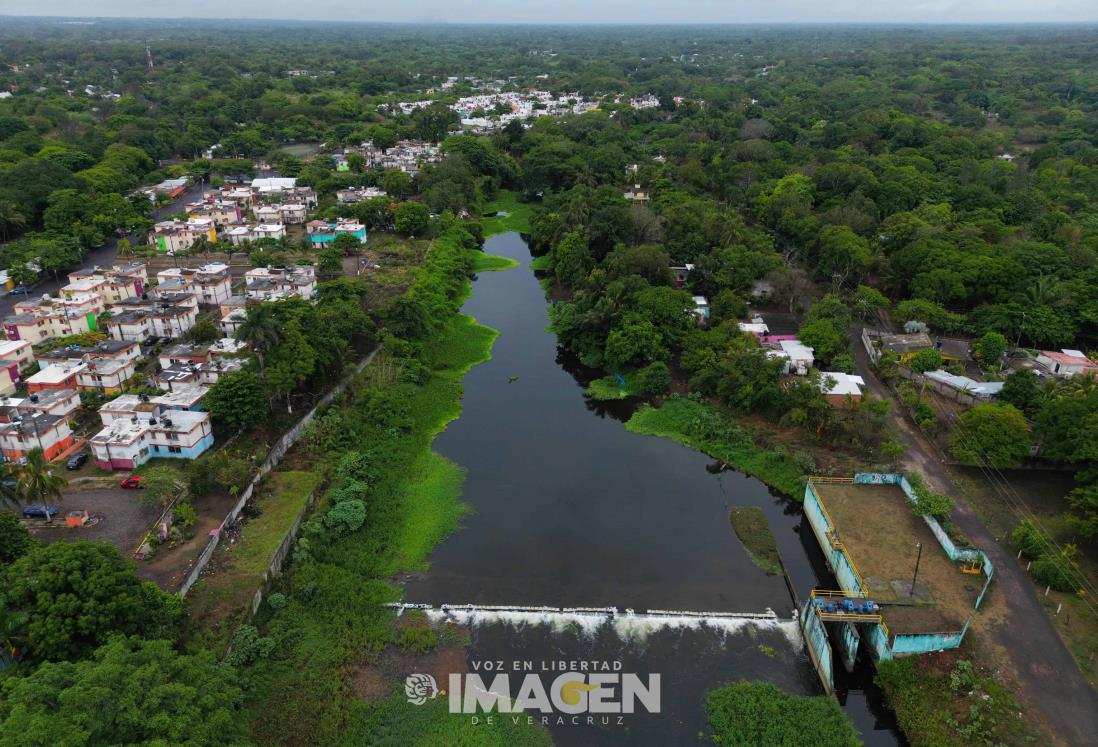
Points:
x=152, y=340
x=20, y=290
x=76, y=461
x=133, y=482
x=40, y=511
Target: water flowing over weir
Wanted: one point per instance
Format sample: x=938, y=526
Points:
x=627, y=625
x=571, y=510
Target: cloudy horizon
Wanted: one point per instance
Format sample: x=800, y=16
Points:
x=582, y=11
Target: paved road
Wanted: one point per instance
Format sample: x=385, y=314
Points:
x=102, y=256
x=1050, y=677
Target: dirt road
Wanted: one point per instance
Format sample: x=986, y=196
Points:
x=1047, y=675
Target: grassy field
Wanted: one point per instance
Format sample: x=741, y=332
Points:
x=218, y=601
x=517, y=216
x=750, y=525
x=701, y=426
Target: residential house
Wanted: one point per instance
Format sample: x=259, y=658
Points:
x=162, y=318
x=797, y=356
x=56, y=376
x=221, y=212
x=185, y=353
x=176, y=236
x=637, y=193
x=60, y=402
x=46, y=325
x=701, y=309
x=681, y=274
x=321, y=233
x=265, y=283
x=1066, y=362
x=841, y=389
x=151, y=431
x=210, y=283
x=19, y=351
x=255, y=232
x=756, y=327
x=233, y=314
x=358, y=194
x=105, y=349
x=105, y=375
x=50, y=433
x=903, y=346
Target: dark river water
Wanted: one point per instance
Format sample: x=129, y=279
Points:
x=569, y=509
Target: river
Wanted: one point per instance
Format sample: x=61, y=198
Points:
x=569, y=509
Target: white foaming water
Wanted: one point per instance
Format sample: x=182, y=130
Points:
x=627, y=625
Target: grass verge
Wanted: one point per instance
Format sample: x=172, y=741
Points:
x=750, y=525
x=701, y=426
x=517, y=216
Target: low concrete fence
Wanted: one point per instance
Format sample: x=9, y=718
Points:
x=273, y=458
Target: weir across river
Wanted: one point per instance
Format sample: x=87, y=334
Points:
x=571, y=511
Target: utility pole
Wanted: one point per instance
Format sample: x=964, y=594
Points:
x=918, y=558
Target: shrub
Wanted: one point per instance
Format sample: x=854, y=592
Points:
x=346, y=517
x=1027, y=538
x=247, y=646
x=185, y=515
x=654, y=380
x=277, y=600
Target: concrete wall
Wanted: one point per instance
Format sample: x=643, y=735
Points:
x=272, y=460
x=837, y=560
x=819, y=647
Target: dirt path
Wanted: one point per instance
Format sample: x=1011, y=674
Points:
x=1049, y=680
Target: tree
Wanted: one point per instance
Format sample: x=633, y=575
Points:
x=76, y=595
x=1022, y=389
x=237, y=401
x=396, y=184
x=345, y=244
x=261, y=330
x=927, y=359
x=158, y=486
x=331, y=260
x=989, y=349
x=868, y=300
x=14, y=538
x=292, y=362
x=825, y=338
x=125, y=249
x=410, y=218
x=204, y=332
x=38, y=483
x=1084, y=502
x=842, y=254
x=996, y=434
x=130, y=692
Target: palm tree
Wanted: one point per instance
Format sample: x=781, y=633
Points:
x=10, y=217
x=125, y=249
x=37, y=481
x=261, y=330
x=1045, y=291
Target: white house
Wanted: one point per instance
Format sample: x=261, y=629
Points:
x=156, y=431
x=1066, y=362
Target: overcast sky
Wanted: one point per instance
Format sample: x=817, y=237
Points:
x=583, y=11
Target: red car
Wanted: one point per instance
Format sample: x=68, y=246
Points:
x=133, y=482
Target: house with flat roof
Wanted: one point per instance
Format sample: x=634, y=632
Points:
x=797, y=357
x=60, y=402
x=21, y=435
x=106, y=375
x=358, y=194
x=56, y=376
x=841, y=389
x=321, y=233
x=210, y=283
x=128, y=442
x=637, y=193
x=177, y=236
x=20, y=351
x=263, y=283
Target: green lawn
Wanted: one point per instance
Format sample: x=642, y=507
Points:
x=609, y=388
x=517, y=216
x=489, y=262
